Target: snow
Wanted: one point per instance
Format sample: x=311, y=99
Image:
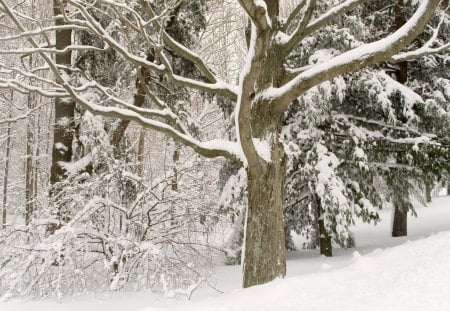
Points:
x=362, y=54
x=381, y=273
x=263, y=148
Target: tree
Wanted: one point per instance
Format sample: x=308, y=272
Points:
x=63, y=134
x=365, y=121
x=265, y=91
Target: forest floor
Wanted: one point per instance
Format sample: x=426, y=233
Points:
x=382, y=273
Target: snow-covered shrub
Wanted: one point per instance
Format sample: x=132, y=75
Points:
x=109, y=228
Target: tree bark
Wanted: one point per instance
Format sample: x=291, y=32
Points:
x=400, y=214
x=64, y=108
x=29, y=176
x=265, y=257
x=326, y=247
x=400, y=223
x=6, y=172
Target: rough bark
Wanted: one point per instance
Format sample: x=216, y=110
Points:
x=64, y=108
x=265, y=237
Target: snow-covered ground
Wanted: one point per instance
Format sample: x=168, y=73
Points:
x=381, y=273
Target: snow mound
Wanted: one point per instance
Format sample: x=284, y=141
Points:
x=411, y=276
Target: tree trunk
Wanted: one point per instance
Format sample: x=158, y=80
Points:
x=64, y=108
x=400, y=213
x=175, y=159
x=5, y=179
x=29, y=176
x=326, y=247
x=428, y=190
x=400, y=223
x=265, y=257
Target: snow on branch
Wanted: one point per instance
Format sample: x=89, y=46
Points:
x=304, y=30
x=187, y=53
x=431, y=47
x=211, y=149
x=258, y=13
x=217, y=87
x=355, y=59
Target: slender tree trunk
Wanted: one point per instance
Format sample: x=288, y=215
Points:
x=400, y=214
x=428, y=190
x=140, y=152
x=175, y=158
x=326, y=247
x=64, y=108
x=29, y=176
x=265, y=257
x=6, y=172
x=400, y=221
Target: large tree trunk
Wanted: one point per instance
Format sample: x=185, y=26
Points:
x=64, y=108
x=265, y=257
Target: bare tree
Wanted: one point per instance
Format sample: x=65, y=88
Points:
x=6, y=175
x=265, y=90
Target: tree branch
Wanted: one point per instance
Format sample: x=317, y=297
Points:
x=355, y=59
x=298, y=33
x=258, y=13
x=318, y=23
x=292, y=16
x=211, y=149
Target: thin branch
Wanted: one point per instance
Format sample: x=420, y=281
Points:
x=293, y=15
x=211, y=149
x=298, y=33
x=322, y=21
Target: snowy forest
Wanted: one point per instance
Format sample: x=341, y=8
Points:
x=248, y=154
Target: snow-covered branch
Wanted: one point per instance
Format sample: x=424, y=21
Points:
x=355, y=59
x=218, y=87
x=302, y=31
x=431, y=47
x=258, y=13
x=213, y=148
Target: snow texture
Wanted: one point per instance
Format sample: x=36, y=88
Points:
x=382, y=273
